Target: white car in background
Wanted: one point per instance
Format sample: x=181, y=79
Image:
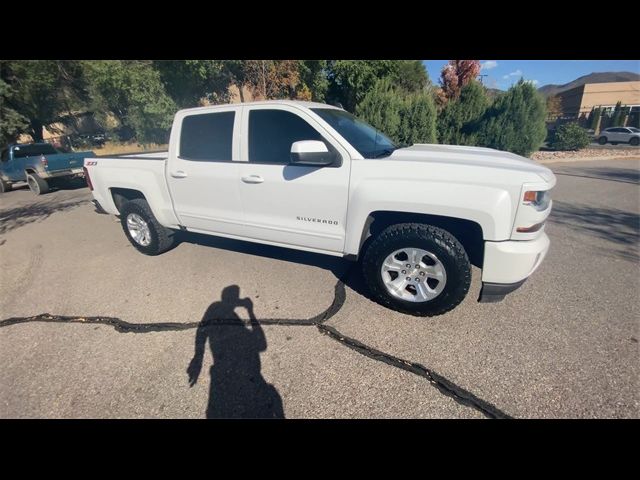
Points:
x=615, y=135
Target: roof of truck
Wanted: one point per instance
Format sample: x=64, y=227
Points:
x=297, y=103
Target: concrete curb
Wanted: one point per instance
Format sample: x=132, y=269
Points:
x=587, y=159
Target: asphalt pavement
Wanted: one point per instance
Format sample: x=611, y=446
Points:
x=90, y=328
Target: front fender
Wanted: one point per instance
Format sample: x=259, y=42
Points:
x=490, y=207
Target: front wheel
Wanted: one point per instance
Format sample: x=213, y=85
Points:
x=143, y=230
x=635, y=141
x=36, y=184
x=417, y=269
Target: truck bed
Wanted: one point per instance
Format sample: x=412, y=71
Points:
x=140, y=172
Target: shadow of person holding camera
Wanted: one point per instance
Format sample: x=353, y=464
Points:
x=237, y=388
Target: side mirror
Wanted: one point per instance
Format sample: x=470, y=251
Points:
x=312, y=153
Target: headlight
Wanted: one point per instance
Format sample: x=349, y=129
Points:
x=537, y=199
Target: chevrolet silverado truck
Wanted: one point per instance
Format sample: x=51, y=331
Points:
x=40, y=165
x=313, y=177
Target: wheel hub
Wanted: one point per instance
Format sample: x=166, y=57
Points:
x=138, y=229
x=413, y=274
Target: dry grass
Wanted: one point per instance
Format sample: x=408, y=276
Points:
x=118, y=148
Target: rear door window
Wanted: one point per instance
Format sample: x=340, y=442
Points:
x=207, y=137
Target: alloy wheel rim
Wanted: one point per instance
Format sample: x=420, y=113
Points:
x=33, y=185
x=413, y=274
x=138, y=229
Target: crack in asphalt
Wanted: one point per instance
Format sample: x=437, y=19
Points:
x=444, y=386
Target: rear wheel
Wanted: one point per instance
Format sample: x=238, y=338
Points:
x=635, y=141
x=4, y=186
x=602, y=140
x=36, y=184
x=417, y=269
x=143, y=230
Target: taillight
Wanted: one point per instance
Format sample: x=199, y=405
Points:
x=44, y=161
x=87, y=178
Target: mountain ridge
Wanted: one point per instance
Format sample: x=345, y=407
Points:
x=594, y=77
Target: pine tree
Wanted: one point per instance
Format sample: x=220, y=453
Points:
x=456, y=123
x=418, y=119
x=406, y=118
x=617, y=115
x=596, y=112
x=516, y=121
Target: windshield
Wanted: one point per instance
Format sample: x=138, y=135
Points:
x=34, y=150
x=634, y=129
x=368, y=141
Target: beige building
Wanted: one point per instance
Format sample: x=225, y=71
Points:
x=579, y=101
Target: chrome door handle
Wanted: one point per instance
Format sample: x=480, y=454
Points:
x=178, y=174
x=253, y=179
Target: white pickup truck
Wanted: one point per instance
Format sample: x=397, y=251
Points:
x=313, y=177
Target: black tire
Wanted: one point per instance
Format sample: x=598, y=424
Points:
x=433, y=239
x=635, y=141
x=36, y=184
x=602, y=140
x=162, y=239
x=5, y=186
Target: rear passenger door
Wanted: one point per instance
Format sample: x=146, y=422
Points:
x=201, y=173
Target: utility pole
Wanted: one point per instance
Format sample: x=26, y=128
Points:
x=481, y=77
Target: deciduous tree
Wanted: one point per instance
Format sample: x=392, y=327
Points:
x=12, y=123
x=134, y=92
x=456, y=74
x=41, y=90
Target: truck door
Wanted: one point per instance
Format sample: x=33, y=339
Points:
x=201, y=173
x=304, y=206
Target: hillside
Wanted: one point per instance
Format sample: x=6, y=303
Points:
x=596, y=77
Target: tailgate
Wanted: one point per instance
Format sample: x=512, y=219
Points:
x=67, y=161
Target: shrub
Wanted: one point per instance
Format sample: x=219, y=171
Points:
x=570, y=136
x=515, y=122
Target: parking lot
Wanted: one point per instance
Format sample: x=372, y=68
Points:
x=121, y=337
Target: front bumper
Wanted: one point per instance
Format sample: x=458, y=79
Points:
x=508, y=264
x=495, y=292
x=98, y=207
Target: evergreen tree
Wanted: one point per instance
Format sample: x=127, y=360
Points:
x=516, y=121
x=457, y=121
x=381, y=108
x=596, y=112
x=617, y=115
x=418, y=119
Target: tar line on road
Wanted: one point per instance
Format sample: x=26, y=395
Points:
x=444, y=386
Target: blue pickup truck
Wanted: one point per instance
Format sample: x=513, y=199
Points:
x=40, y=165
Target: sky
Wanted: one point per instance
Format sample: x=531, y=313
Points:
x=502, y=74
